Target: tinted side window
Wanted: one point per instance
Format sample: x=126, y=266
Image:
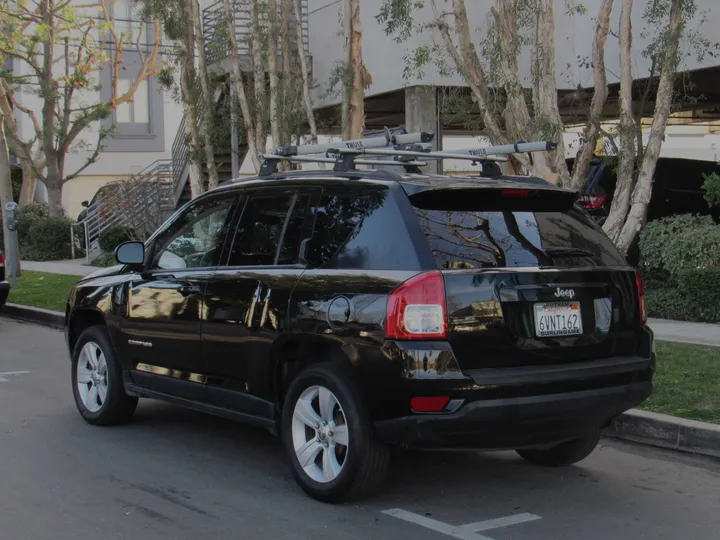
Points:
x=195, y=239
x=337, y=217
x=265, y=221
x=361, y=227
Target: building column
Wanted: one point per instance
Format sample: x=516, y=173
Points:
x=422, y=113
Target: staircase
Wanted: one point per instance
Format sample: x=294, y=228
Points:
x=141, y=203
x=181, y=165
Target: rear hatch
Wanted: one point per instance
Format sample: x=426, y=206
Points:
x=530, y=278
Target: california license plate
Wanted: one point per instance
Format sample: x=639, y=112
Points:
x=558, y=319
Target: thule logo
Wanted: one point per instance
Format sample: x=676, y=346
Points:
x=564, y=293
x=356, y=145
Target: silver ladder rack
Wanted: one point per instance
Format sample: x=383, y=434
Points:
x=408, y=150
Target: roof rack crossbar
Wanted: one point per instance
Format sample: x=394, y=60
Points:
x=410, y=150
x=310, y=159
x=388, y=140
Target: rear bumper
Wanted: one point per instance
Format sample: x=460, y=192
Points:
x=4, y=291
x=518, y=422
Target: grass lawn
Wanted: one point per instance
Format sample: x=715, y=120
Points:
x=40, y=289
x=687, y=382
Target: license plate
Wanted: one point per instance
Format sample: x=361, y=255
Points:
x=558, y=319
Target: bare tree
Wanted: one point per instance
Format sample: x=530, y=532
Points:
x=304, y=72
x=663, y=102
x=207, y=96
x=626, y=130
x=358, y=77
x=60, y=50
x=592, y=127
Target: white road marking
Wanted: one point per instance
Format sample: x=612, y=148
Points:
x=3, y=375
x=464, y=532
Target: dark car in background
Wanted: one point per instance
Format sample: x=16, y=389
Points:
x=677, y=188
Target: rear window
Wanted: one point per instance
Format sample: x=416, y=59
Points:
x=531, y=234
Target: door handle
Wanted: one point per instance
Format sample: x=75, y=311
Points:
x=188, y=289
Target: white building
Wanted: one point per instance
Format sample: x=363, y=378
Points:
x=148, y=128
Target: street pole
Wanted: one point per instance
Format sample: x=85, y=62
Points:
x=11, y=217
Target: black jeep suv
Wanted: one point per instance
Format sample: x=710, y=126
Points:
x=350, y=312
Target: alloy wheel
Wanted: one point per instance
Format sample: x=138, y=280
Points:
x=320, y=434
x=92, y=377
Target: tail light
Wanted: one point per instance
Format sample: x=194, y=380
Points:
x=592, y=202
x=2, y=259
x=428, y=404
x=641, y=297
x=417, y=309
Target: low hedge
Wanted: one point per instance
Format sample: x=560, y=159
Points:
x=680, y=259
x=43, y=237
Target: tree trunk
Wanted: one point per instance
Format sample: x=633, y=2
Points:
x=240, y=92
x=545, y=89
x=358, y=74
x=582, y=162
x=663, y=103
x=207, y=100
x=191, y=125
x=626, y=127
x=258, y=77
x=286, y=83
x=516, y=114
x=29, y=183
x=305, y=73
x=272, y=54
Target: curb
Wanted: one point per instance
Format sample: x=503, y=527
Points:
x=46, y=317
x=665, y=431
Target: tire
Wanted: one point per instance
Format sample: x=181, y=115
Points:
x=117, y=407
x=356, y=468
x=562, y=454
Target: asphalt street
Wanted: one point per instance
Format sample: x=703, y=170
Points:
x=177, y=474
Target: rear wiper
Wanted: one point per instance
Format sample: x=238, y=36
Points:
x=568, y=252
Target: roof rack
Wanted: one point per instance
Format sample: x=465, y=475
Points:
x=408, y=150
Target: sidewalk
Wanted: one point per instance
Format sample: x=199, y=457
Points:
x=686, y=332
x=70, y=268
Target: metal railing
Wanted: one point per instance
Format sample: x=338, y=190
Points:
x=215, y=27
x=139, y=203
x=179, y=153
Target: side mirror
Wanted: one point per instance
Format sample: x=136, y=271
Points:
x=131, y=253
x=85, y=204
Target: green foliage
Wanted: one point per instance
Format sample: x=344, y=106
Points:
x=694, y=250
x=680, y=257
x=113, y=237
x=43, y=237
x=657, y=237
x=711, y=187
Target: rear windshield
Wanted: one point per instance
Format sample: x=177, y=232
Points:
x=474, y=237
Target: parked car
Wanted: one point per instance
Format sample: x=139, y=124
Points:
x=351, y=312
x=677, y=189
x=105, y=191
x=4, y=285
